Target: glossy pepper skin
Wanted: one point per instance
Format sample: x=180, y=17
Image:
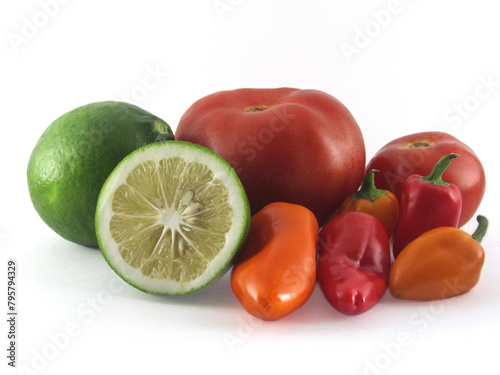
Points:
x=275, y=272
x=427, y=203
x=380, y=203
x=441, y=263
x=354, y=262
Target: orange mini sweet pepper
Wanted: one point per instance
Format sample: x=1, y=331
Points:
x=275, y=272
x=441, y=263
x=380, y=203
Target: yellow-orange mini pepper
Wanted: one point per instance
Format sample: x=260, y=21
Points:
x=380, y=203
x=441, y=263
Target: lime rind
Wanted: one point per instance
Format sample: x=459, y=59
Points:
x=235, y=237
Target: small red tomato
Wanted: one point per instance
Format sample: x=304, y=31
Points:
x=418, y=153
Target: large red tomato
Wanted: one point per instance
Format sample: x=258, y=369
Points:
x=418, y=153
x=286, y=144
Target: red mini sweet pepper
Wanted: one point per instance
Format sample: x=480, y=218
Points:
x=354, y=262
x=427, y=203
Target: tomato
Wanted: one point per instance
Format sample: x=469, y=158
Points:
x=418, y=153
x=275, y=273
x=286, y=144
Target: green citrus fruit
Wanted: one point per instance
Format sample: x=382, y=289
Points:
x=75, y=155
x=171, y=217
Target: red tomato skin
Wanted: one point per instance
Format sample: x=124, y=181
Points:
x=397, y=160
x=302, y=146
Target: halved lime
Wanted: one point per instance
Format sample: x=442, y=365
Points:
x=171, y=217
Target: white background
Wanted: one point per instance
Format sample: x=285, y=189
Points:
x=421, y=63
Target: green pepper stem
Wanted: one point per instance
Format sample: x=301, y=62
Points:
x=481, y=229
x=436, y=175
x=368, y=190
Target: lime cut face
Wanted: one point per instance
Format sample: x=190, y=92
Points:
x=169, y=223
x=171, y=217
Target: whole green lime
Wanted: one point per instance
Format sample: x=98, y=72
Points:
x=75, y=155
